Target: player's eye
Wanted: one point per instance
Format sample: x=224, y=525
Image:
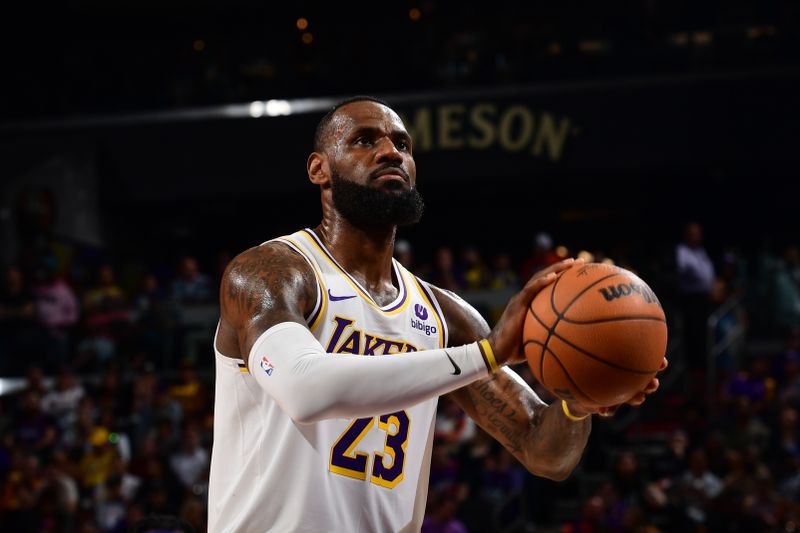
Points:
x=402, y=145
x=363, y=140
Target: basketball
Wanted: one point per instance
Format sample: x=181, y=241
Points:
x=596, y=335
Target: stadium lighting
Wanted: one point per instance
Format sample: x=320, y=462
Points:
x=277, y=108
x=256, y=109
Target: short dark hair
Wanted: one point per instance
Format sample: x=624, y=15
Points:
x=322, y=125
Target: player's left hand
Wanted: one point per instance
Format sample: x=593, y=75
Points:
x=637, y=399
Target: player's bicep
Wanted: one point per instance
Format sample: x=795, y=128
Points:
x=262, y=287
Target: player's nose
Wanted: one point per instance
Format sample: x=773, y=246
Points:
x=387, y=151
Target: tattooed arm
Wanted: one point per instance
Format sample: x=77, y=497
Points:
x=545, y=441
x=262, y=287
x=540, y=436
x=265, y=293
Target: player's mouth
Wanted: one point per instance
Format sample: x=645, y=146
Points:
x=394, y=176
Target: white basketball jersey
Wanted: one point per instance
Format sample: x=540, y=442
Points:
x=367, y=474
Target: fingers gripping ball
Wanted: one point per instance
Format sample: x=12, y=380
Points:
x=597, y=335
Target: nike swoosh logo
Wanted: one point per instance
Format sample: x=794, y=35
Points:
x=456, y=369
x=339, y=298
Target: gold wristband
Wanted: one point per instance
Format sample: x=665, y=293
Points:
x=570, y=415
x=488, y=355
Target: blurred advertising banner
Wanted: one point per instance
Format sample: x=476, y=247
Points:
x=578, y=129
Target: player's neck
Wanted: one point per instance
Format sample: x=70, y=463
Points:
x=366, y=253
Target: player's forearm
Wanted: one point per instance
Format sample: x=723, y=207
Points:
x=311, y=385
x=541, y=437
x=556, y=443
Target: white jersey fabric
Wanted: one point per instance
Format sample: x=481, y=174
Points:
x=269, y=473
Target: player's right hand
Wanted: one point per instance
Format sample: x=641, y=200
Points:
x=506, y=336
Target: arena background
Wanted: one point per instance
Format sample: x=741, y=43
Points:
x=138, y=138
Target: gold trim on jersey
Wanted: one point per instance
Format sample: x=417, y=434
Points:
x=434, y=310
x=320, y=285
x=396, y=307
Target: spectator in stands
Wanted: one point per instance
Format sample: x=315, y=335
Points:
x=755, y=384
x=17, y=322
x=673, y=462
x=20, y=493
x=475, y=272
x=57, y=309
x=445, y=469
x=151, y=315
x=784, y=444
x=403, y=253
x=790, y=373
x=188, y=389
x=695, y=282
x=190, y=462
x=786, y=289
x=191, y=286
x=35, y=431
x=592, y=519
x=193, y=511
x=628, y=479
x=453, y=426
x=35, y=380
x=444, y=273
x=106, y=317
x=61, y=490
x=63, y=400
x=542, y=257
x=95, y=464
x=698, y=489
x=440, y=514
x=111, y=509
x=502, y=477
x=762, y=505
x=503, y=275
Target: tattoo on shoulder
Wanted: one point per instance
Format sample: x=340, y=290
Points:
x=254, y=279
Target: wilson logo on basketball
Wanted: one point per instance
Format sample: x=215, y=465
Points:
x=612, y=292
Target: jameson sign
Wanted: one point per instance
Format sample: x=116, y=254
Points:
x=649, y=126
x=513, y=128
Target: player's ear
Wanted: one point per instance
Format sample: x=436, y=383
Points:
x=318, y=169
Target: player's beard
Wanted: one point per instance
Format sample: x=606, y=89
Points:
x=365, y=206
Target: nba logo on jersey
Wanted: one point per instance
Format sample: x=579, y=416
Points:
x=267, y=366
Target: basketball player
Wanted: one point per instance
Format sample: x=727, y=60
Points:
x=330, y=357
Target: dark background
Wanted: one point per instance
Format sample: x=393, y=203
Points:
x=134, y=134
x=684, y=111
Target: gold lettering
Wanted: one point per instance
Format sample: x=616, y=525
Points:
x=507, y=139
x=420, y=129
x=480, y=118
x=551, y=136
x=449, y=126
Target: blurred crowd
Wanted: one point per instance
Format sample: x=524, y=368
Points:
x=113, y=420
x=54, y=317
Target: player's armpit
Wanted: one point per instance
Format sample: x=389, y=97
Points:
x=540, y=436
x=261, y=287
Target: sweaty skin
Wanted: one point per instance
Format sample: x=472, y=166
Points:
x=367, y=143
